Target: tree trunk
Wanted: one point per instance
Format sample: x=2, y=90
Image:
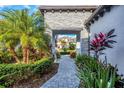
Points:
x=26, y=55
x=12, y=51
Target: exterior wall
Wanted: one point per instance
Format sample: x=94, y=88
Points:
x=113, y=20
x=67, y=20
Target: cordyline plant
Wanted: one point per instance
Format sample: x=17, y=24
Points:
x=102, y=41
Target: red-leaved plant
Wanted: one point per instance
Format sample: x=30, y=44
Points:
x=102, y=41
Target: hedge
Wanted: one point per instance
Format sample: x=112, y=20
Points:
x=64, y=53
x=11, y=73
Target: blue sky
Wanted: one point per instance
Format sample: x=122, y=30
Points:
x=19, y=7
x=67, y=35
x=32, y=8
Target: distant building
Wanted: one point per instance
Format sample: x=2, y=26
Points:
x=67, y=39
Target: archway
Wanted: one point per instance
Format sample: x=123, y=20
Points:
x=77, y=32
x=68, y=20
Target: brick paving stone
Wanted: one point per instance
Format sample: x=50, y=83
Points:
x=66, y=76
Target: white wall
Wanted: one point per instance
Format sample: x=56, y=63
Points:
x=113, y=20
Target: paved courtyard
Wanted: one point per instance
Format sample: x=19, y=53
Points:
x=66, y=76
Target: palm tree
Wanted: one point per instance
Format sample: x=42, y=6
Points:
x=8, y=38
x=29, y=29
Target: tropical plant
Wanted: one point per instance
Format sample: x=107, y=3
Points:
x=102, y=41
x=27, y=29
x=84, y=59
x=94, y=74
x=103, y=78
x=9, y=39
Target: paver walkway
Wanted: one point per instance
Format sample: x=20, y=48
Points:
x=66, y=76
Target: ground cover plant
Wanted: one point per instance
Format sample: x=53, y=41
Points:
x=94, y=74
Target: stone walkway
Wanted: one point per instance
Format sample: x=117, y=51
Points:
x=66, y=76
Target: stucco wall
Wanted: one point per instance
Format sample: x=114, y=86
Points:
x=59, y=20
x=113, y=20
x=66, y=20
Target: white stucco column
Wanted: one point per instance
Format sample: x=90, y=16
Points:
x=53, y=45
x=78, y=44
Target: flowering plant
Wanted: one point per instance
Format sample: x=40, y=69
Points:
x=102, y=41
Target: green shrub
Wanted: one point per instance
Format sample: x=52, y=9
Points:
x=11, y=73
x=64, y=53
x=73, y=54
x=2, y=86
x=65, y=49
x=72, y=46
x=84, y=59
x=94, y=74
x=41, y=68
x=6, y=57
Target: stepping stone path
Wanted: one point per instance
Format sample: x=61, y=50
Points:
x=66, y=76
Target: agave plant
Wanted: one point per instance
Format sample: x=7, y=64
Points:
x=102, y=41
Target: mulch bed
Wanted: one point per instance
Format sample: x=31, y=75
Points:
x=36, y=81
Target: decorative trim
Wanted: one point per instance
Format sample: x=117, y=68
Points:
x=67, y=9
x=99, y=12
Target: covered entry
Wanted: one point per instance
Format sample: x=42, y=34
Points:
x=75, y=31
x=67, y=20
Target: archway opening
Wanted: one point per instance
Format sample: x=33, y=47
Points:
x=65, y=43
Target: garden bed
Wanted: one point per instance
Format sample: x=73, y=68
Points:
x=12, y=75
x=35, y=81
